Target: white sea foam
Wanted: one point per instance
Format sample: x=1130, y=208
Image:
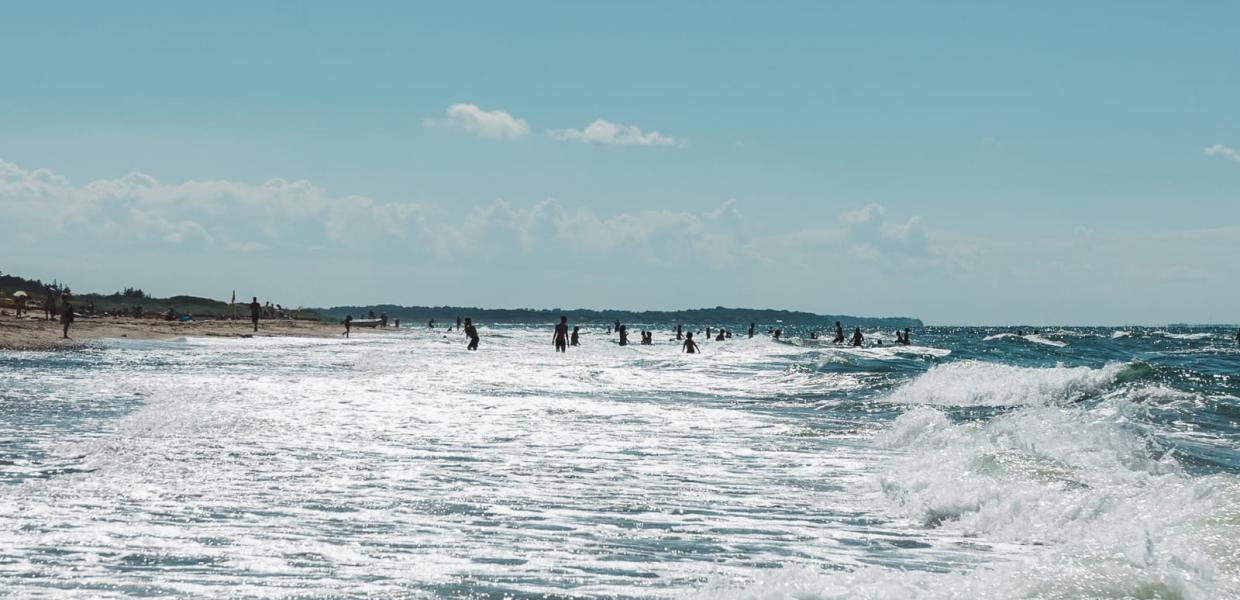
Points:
x=1034, y=338
x=1185, y=336
x=1115, y=335
x=1099, y=514
x=977, y=383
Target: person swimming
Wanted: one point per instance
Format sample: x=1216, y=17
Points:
x=690, y=347
x=839, y=333
x=560, y=339
x=573, y=340
x=471, y=333
x=857, y=338
x=624, y=335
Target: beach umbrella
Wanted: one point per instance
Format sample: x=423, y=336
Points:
x=19, y=293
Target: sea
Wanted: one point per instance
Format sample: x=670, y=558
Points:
x=975, y=463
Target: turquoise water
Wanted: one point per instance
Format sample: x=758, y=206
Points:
x=1079, y=463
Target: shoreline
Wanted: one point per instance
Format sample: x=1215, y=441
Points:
x=38, y=334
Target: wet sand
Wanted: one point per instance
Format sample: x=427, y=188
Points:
x=37, y=334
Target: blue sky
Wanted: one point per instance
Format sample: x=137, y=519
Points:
x=959, y=162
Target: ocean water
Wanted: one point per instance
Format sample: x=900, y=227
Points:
x=1077, y=463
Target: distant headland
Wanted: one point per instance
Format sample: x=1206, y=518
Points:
x=702, y=316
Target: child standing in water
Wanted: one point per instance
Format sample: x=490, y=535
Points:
x=573, y=342
x=560, y=339
x=690, y=347
x=472, y=334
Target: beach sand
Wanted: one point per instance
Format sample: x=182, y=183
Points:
x=37, y=334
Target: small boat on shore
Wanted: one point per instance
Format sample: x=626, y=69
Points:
x=366, y=322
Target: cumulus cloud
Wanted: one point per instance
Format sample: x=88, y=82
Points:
x=490, y=124
x=612, y=134
x=298, y=219
x=871, y=235
x=1224, y=151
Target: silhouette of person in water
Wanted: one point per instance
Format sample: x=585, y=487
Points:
x=777, y=333
x=708, y=333
x=616, y=327
x=857, y=338
x=431, y=324
x=256, y=311
x=813, y=335
x=348, y=324
x=905, y=340
x=719, y=338
x=680, y=332
x=1238, y=336
x=560, y=339
x=839, y=333
x=624, y=335
x=66, y=317
x=471, y=333
x=458, y=322
x=573, y=341
x=690, y=346
x=751, y=331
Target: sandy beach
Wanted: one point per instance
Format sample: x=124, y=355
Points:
x=37, y=334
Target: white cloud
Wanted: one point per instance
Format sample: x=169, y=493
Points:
x=490, y=124
x=1224, y=151
x=871, y=236
x=608, y=133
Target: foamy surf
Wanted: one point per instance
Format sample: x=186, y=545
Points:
x=296, y=467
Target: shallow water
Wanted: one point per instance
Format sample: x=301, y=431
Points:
x=973, y=464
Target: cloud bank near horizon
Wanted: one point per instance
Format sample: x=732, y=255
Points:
x=866, y=257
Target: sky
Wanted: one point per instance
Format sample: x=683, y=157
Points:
x=962, y=162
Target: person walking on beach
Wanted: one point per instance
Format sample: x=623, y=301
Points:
x=857, y=338
x=573, y=341
x=49, y=304
x=348, y=324
x=66, y=317
x=839, y=333
x=20, y=298
x=256, y=311
x=690, y=346
x=560, y=339
x=472, y=334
